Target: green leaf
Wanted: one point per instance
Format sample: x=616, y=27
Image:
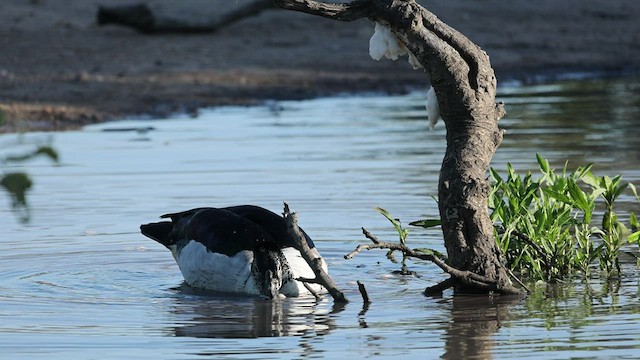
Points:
x=426, y=223
x=582, y=172
x=632, y=254
x=635, y=237
x=544, y=164
x=495, y=175
x=47, y=151
x=558, y=196
x=402, y=233
x=385, y=213
x=634, y=191
x=17, y=184
x=578, y=196
x=590, y=180
x=633, y=220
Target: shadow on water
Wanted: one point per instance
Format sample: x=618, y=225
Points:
x=587, y=121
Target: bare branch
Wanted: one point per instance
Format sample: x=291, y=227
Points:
x=344, y=12
x=313, y=292
x=467, y=277
x=322, y=277
x=514, y=277
x=370, y=236
x=308, y=281
x=440, y=287
x=359, y=248
x=363, y=292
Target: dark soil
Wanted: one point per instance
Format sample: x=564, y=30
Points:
x=60, y=70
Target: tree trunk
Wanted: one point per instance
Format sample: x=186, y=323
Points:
x=143, y=19
x=465, y=85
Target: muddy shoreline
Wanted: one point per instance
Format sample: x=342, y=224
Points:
x=60, y=70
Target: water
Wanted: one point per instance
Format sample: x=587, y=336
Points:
x=80, y=282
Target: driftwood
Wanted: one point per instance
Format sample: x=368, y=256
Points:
x=465, y=85
x=322, y=277
x=143, y=19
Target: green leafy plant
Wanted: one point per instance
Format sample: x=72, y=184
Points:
x=18, y=183
x=397, y=224
x=545, y=226
x=613, y=232
x=635, y=225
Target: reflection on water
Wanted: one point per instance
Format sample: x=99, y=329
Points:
x=79, y=281
x=588, y=121
x=213, y=315
x=474, y=323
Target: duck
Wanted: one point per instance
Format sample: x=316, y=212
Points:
x=242, y=249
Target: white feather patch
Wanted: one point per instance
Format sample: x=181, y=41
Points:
x=301, y=269
x=207, y=270
x=433, y=109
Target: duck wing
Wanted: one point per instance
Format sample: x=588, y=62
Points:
x=223, y=231
x=271, y=222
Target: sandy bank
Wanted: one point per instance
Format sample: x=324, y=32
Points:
x=59, y=70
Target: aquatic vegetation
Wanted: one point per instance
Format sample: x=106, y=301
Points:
x=403, y=234
x=635, y=225
x=18, y=183
x=546, y=228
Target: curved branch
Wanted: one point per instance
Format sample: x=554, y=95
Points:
x=344, y=12
x=440, y=287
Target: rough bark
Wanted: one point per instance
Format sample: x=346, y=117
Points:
x=143, y=19
x=465, y=85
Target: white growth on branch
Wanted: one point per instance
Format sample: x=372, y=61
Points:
x=433, y=109
x=384, y=43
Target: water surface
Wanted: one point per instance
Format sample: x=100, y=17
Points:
x=80, y=282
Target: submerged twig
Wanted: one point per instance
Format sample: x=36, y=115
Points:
x=514, y=277
x=363, y=292
x=313, y=292
x=440, y=287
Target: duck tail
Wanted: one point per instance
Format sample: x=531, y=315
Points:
x=159, y=231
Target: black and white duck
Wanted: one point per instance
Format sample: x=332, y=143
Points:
x=240, y=249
